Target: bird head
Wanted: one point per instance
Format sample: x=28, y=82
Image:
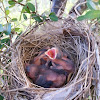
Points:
x=51, y=53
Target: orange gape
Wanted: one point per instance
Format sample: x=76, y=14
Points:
x=54, y=53
x=51, y=53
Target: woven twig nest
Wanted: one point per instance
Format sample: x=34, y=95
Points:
x=70, y=36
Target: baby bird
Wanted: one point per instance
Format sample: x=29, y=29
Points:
x=60, y=62
x=41, y=58
x=32, y=71
x=50, y=79
x=67, y=65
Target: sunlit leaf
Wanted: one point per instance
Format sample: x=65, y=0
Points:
x=1, y=28
x=1, y=0
x=14, y=19
x=23, y=10
x=99, y=2
x=11, y=6
x=26, y=9
x=24, y=16
x=11, y=2
x=53, y=16
x=37, y=18
x=91, y=5
x=28, y=0
x=16, y=29
x=90, y=15
x=31, y=7
x=20, y=16
x=1, y=71
x=7, y=29
x=7, y=12
x=1, y=97
x=89, y=98
x=20, y=1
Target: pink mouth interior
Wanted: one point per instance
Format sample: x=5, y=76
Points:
x=51, y=53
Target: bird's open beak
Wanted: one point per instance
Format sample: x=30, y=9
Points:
x=51, y=53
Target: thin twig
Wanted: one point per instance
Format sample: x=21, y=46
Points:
x=98, y=72
x=4, y=11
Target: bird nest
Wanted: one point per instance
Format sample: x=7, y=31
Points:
x=70, y=36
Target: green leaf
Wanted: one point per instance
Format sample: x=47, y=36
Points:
x=53, y=16
x=7, y=28
x=20, y=33
x=91, y=5
x=1, y=46
x=1, y=97
x=20, y=1
x=98, y=18
x=20, y=17
x=3, y=77
x=5, y=40
x=23, y=10
x=11, y=2
x=31, y=7
x=26, y=9
x=80, y=18
x=14, y=19
x=1, y=71
x=1, y=28
x=16, y=29
x=37, y=18
x=1, y=0
x=7, y=12
x=90, y=15
x=99, y=2
x=28, y=0
x=11, y=6
x=9, y=60
x=24, y=16
x=1, y=34
x=44, y=17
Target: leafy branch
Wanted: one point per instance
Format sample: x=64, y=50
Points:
x=93, y=11
x=4, y=11
x=30, y=9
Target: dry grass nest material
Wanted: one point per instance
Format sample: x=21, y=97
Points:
x=71, y=37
